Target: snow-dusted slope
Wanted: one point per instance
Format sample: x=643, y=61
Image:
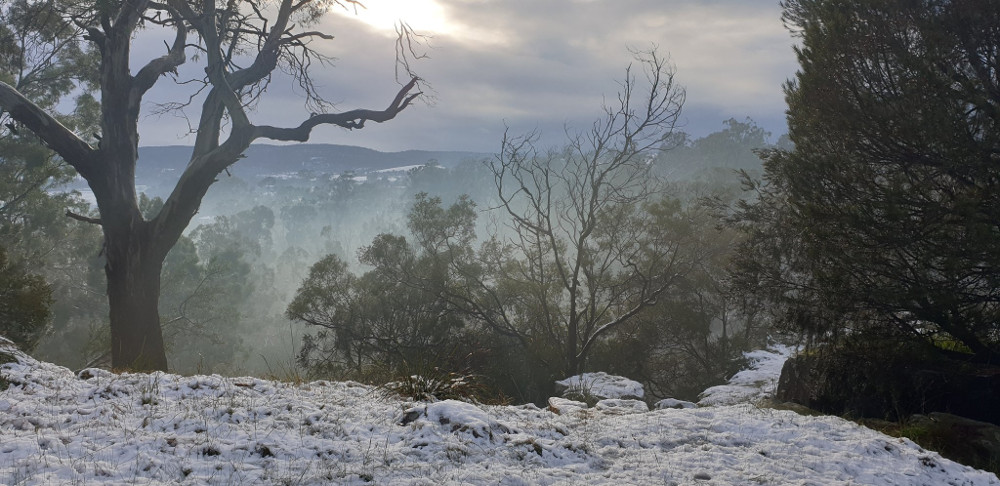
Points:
x=57, y=428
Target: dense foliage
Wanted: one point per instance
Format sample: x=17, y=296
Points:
x=24, y=304
x=40, y=54
x=886, y=212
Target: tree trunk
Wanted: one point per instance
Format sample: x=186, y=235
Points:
x=133, y=273
x=572, y=361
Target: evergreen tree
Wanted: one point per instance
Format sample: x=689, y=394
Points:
x=887, y=209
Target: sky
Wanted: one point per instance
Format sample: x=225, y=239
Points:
x=526, y=65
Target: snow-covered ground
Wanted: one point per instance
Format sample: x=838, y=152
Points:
x=405, y=168
x=102, y=428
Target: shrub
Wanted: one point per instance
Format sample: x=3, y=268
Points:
x=24, y=304
x=437, y=385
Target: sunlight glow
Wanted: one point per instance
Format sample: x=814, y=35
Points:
x=425, y=16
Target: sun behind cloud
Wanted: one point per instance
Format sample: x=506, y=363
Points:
x=424, y=16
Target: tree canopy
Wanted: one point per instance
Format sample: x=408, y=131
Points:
x=886, y=213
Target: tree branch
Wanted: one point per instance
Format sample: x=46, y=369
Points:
x=55, y=135
x=129, y=15
x=349, y=119
x=147, y=76
x=80, y=217
x=302, y=35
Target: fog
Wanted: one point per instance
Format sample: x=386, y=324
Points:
x=227, y=284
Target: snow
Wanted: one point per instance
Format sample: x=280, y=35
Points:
x=602, y=385
x=565, y=405
x=103, y=428
x=405, y=168
x=454, y=416
x=674, y=403
x=753, y=384
x=621, y=406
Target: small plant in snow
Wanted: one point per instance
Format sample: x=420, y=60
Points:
x=440, y=386
x=149, y=390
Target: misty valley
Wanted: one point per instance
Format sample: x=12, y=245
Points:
x=228, y=284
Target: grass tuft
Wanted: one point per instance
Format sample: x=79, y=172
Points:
x=977, y=446
x=4, y=359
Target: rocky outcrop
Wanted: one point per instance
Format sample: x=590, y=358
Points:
x=456, y=417
x=886, y=386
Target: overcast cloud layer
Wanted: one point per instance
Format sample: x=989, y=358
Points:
x=529, y=64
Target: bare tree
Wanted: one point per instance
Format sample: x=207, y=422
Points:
x=240, y=45
x=593, y=252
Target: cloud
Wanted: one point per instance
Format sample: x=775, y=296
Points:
x=542, y=64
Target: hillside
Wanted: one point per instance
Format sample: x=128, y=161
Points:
x=159, y=167
x=262, y=160
x=101, y=428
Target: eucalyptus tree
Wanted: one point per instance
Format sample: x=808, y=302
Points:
x=239, y=45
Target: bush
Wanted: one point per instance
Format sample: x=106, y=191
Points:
x=4, y=359
x=24, y=304
x=438, y=385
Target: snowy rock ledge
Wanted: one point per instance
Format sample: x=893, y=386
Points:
x=757, y=382
x=600, y=385
x=621, y=406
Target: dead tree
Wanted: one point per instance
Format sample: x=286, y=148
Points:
x=594, y=252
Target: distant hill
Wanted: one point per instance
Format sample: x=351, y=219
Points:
x=265, y=160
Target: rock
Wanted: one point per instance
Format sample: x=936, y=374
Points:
x=673, y=403
x=562, y=406
x=622, y=406
x=90, y=373
x=965, y=440
x=411, y=415
x=456, y=417
x=890, y=383
x=599, y=386
x=797, y=408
